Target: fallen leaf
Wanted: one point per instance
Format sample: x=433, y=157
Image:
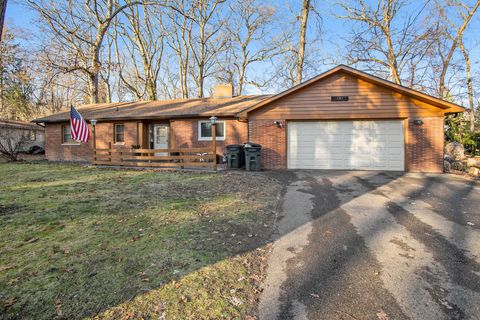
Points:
x=314, y=295
x=382, y=315
x=58, y=307
x=6, y=267
x=9, y=302
x=236, y=301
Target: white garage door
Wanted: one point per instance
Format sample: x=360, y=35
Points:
x=349, y=145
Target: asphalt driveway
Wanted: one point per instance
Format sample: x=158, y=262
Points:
x=374, y=245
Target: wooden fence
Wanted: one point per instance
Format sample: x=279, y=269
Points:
x=180, y=158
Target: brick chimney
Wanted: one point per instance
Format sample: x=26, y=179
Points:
x=223, y=91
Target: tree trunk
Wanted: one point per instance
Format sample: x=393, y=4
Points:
x=151, y=89
x=93, y=88
x=468, y=65
x=455, y=42
x=392, y=60
x=200, y=81
x=303, y=33
x=108, y=93
x=3, y=8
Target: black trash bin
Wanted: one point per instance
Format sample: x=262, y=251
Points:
x=252, y=156
x=235, y=156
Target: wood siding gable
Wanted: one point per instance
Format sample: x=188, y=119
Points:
x=365, y=101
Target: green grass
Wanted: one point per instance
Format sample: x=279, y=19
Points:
x=79, y=242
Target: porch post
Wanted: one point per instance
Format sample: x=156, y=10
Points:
x=214, y=145
x=94, y=122
x=213, y=121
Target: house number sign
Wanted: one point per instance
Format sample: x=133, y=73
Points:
x=339, y=98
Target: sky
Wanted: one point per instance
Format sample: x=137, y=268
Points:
x=334, y=30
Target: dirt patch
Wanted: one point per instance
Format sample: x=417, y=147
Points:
x=6, y=210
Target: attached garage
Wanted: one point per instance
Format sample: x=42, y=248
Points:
x=346, y=145
x=347, y=119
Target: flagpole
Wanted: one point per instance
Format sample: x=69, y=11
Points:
x=94, y=122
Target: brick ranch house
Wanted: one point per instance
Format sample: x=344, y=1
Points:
x=341, y=119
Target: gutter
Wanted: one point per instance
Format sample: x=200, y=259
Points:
x=189, y=116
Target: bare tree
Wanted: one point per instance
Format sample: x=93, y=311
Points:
x=205, y=41
x=143, y=37
x=105, y=95
x=180, y=26
x=302, y=39
x=54, y=89
x=250, y=41
x=448, y=30
x=16, y=83
x=81, y=28
x=385, y=40
x=468, y=69
x=298, y=56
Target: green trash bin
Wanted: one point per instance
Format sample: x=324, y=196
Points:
x=253, y=157
x=235, y=156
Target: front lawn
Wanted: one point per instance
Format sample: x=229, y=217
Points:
x=85, y=242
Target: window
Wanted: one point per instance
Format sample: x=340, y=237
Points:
x=67, y=136
x=205, y=130
x=30, y=135
x=119, y=133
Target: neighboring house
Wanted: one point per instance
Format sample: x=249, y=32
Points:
x=341, y=119
x=15, y=131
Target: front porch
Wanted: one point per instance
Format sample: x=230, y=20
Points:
x=179, y=158
x=154, y=148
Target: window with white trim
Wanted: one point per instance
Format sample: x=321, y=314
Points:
x=67, y=136
x=205, y=130
x=119, y=133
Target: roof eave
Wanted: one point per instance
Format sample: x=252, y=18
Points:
x=183, y=116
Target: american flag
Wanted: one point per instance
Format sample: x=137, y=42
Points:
x=78, y=126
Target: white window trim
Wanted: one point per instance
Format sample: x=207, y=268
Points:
x=72, y=143
x=115, y=142
x=200, y=138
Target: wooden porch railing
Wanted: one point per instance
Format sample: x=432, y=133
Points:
x=180, y=158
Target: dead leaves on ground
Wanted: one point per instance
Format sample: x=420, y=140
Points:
x=9, y=302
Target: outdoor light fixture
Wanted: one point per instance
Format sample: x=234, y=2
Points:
x=417, y=122
x=213, y=120
x=277, y=123
x=93, y=122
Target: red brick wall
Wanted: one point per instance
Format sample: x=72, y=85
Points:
x=184, y=133
x=56, y=151
x=273, y=141
x=425, y=145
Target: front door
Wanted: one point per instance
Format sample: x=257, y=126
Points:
x=160, y=138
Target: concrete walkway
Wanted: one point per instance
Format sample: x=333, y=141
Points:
x=373, y=245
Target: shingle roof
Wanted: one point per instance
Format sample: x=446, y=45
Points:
x=19, y=125
x=178, y=108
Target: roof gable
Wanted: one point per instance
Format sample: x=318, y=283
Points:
x=448, y=107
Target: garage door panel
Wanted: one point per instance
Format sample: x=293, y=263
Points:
x=363, y=145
